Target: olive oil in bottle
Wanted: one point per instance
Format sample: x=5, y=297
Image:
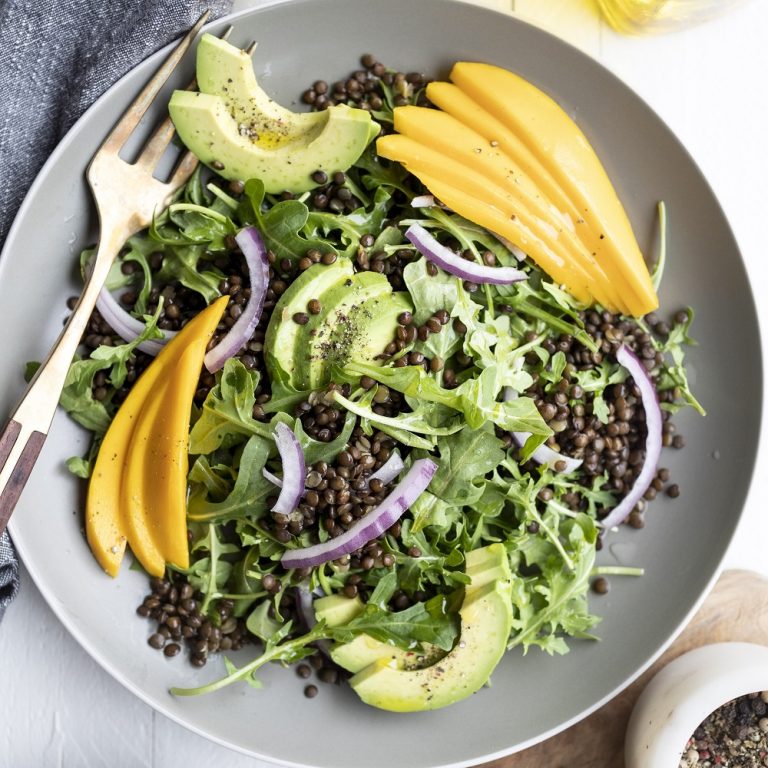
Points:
x=648, y=16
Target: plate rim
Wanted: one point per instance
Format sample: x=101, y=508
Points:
x=112, y=669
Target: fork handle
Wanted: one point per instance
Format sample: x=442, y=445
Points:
x=24, y=435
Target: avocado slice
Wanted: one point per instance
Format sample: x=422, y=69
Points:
x=281, y=351
x=335, y=610
x=486, y=621
x=364, y=650
x=237, y=126
x=339, y=305
x=225, y=71
x=358, y=321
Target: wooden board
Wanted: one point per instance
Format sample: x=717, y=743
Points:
x=735, y=610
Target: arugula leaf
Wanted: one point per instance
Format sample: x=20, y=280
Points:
x=249, y=494
x=260, y=624
x=79, y=467
x=354, y=225
x=420, y=623
x=673, y=375
x=281, y=225
x=315, y=451
x=405, y=422
x=77, y=396
x=465, y=459
x=382, y=174
x=555, y=602
x=475, y=399
x=182, y=263
x=227, y=413
x=429, y=293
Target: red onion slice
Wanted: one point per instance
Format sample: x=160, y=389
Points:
x=126, y=326
x=446, y=259
x=255, y=253
x=543, y=454
x=274, y=479
x=304, y=601
x=388, y=471
x=515, y=250
x=653, y=421
x=372, y=525
x=294, y=469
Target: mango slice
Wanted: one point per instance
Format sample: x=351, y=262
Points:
x=108, y=527
x=548, y=132
x=167, y=459
x=479, y=201
x=452, y=100
x=135, y=494
x=443, y=132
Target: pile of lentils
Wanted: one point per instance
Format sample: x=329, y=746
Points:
x=733, y=736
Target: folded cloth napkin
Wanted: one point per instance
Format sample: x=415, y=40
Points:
x=56, y=58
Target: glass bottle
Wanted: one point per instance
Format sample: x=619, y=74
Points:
x=644, y=16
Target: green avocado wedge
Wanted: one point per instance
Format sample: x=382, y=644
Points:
x=355, y=329
x=225, y=71
x=347, y=327
x=280, y=342
x=486, y=622
x=357, y=318
x=365, y=650
x=232, y=122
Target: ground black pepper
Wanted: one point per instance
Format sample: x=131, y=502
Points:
x=733, y=736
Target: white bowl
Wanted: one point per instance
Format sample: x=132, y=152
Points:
x=684, y=693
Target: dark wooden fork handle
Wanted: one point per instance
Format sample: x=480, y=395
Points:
x=22, y=468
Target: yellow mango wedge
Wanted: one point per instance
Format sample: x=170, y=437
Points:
x=548, y=132
x=106, y=521
x=446, y=134
x=480, y=199
x=452, y=100
x=144, y=528
x=166, y=458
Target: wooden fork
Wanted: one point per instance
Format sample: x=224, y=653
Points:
x=126, y=197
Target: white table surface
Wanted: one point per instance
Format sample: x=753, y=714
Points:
x=709, y=84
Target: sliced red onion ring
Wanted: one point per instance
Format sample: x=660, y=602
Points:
x=274, y=479
x=372, y=525
x=294, y=469
x=304, y=600
x=543, y=454
x=423, y=201
x=445, y=258
x=255, y=253
x=126, y=326
x=634, y=365
x=388, y=471
x=515, y=250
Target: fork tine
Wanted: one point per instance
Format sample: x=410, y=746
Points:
x=154, y=148
x=131, y=118
x=183, y=170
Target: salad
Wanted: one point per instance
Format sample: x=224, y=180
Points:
x=409, y=435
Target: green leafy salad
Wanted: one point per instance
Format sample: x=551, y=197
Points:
x=411, y=416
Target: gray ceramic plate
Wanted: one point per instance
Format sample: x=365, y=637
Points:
x=531, y=697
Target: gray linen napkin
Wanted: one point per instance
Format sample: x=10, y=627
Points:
x=56, y=58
